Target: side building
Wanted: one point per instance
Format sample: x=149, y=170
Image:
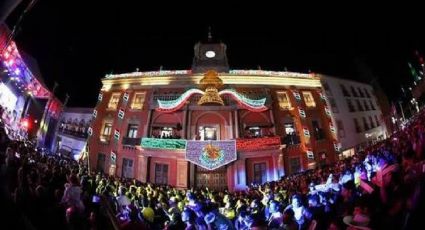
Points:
x=356, y=112
x=72, y=132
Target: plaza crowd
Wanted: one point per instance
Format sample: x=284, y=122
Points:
x=380, y=187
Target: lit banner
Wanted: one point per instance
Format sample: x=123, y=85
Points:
x=157, y=143
x=211, y=154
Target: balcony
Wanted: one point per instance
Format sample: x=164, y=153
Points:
x=131, y=141
x=72, y=133
x=291, y=139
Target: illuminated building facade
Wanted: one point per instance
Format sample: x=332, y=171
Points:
x=210, y=126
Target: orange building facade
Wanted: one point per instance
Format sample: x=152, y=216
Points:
x=210, y=126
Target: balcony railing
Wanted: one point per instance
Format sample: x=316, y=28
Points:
x=253, y=144
x=131, y=141
x=73, y=133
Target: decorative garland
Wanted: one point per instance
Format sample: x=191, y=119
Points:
x=247, y=103
x=173, y=105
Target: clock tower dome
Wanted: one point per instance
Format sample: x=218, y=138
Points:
x=210, y=55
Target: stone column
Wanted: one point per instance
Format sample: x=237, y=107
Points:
x=240, y=174
x=280, y=165
x=272, y=121
x=182, y=177
x=184, y=124
x=142, y=169
x=236, y=124
x=148, y=124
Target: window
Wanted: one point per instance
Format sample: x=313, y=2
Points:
x=344, y=91
x=132, y=130
x=254, y=131
x=360, y=92
x=291, y=137
x=113, y=102
x=359, y=105
x=127, y=168
x=100, y=162
x=377, y=121
x=308, y=99
x=365, y=124
x=372, y=107
x=350, y=106
x=357, y=125
x=161, y=174
x=295, y=164
x=107, y=129
x=138, y=100
x=366, y=107
x=207, y=133
x=372, y=125
x=333, y=105
x=353, y=92
x=327, y=89
x=341, y=131
x=366, y=93
x=282, y=98
x=318, y=131
x=260, y=173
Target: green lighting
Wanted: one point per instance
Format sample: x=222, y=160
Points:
x=157, y=143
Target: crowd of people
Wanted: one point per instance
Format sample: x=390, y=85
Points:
x=381, y=187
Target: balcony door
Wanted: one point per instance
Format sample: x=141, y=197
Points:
x=209, y=132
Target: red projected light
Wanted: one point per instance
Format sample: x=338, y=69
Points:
x=25, y=123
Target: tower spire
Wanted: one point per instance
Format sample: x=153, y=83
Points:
x=209, y=34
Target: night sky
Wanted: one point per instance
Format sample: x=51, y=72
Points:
x=77, y=44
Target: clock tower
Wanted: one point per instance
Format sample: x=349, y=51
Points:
x=210, y=55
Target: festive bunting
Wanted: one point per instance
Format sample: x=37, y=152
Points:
x=306, y=132
x=90, y=131
x=250, y=104
x=310, y=154
x=113, y=158
x=173, y=105
x=331, y=127
x=125, y=96
x=117, y=134
x=327, y=111
x=297, y=95
x=94, y=113
x=121, y=113
x=336, y=146
x=302, y=112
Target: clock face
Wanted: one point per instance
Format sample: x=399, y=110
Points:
x=210, y=54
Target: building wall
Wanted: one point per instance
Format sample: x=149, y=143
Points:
x=350, y=138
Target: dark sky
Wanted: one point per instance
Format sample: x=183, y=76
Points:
x=77, y=44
